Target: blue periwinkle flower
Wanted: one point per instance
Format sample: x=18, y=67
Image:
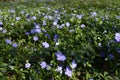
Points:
x=73, y=64
x=34, y=18
x=68, y=72
x=82, y=25
x=94, y=13
x=111, y=56
x=45, y=44
x=67, y=24
x=15, y=45
x=8, y=41
x=60, y=56
x=47, y=35
x=59, y=69
x=43, y=64
x=79, y=16
x=56, y=38
x=117, y=37
x=27, y=65
x=1, y=23
x=118, y=50
x=35, y=38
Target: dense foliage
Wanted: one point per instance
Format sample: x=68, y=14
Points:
x=60, y=40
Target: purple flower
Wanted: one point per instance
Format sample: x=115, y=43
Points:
x=12, y=11
x=37, y=30
x=118, y=50
x=34, y=17
x=59, y=69
x=27, y=65
x=50, y=17
x=8, y=41
x=43, y=64
x=17, y=18
x=67, y=24
x=60, y=56
x=27, y=33
x=4, y=31
x=111, y=56
x=47, y=35
x=44, y=23
x=73, y=64
x=37, y=26
x=1, y=28
x=62, y=25
x=54, y=23
x=94, y=13
x=35, y=38
x=117, y=37
x=79, y=16
x=68, y=72
x=82, y=26
x=14, y=45
x=45, y=44
x=1, y=23
x=56, y=38
x=32, y=31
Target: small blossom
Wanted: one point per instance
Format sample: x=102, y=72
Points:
x=94, y=13
x=91, y=79
x=60, y=56
x=12, y=11
x=27, y=33
x=62, y=25
x=50, y=17
x=82, y=26
x=47, y=35
x=73, y=64
x=37, y=26
x=1, y=28
x=111, y=56
x=35, y=38
x=45, y=44
x=1, y=23
x=44, y=23
x=67, y=24
x=37, y=30
x=15, y=45
x=43, y=64
x=79, y=16
x=32, y=31
x=54, y=23
x=22, y=12
x=28, y=20
x=118, y=50
x=99, y=44
x=34, y=18
x=68, y=72
x=17, y=18
x=56, y=38
x=4, y=31
x=117, y=37
x=59, y=69
x=27, y=65
x=8, y=41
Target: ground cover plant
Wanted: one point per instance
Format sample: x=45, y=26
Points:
x=60, y=40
